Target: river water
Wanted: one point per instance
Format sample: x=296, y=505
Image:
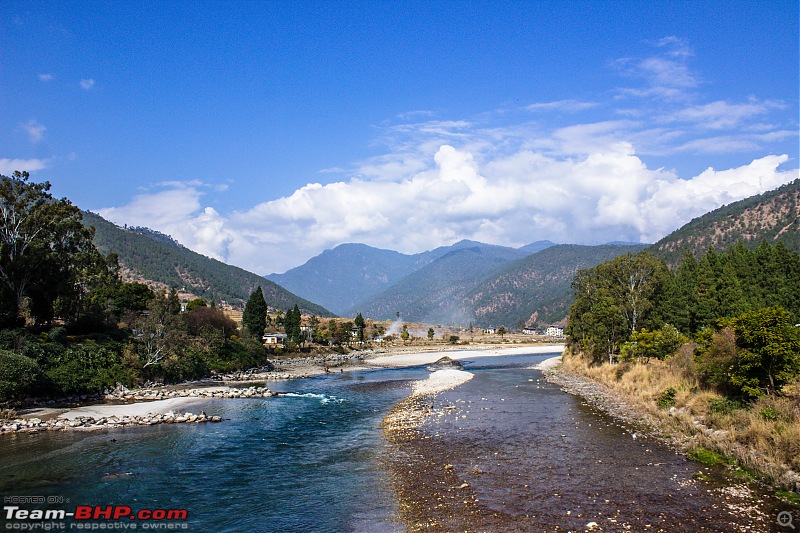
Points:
x=315, y=459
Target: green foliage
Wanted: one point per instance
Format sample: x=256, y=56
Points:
x=45, y=252
x=707, y=457
x=771, y=217
x=453, y=339
x=361, y=325
x=755, y=353
x=157, y=257
x=254, y=318
x=612, y=300
x=657, y=344
x=20, y=376
x=194, y=304
x=667, y=398
x=431, y=333
x=723, y=405
x=769, y=413
x=291, y=325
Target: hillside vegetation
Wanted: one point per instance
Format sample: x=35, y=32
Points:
x=149, y=256
x=536, y=289
x=435, y=293
x=773, y=216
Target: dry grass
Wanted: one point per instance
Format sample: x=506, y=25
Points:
x=762, y=437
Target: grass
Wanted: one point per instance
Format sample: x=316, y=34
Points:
x=761, y=438
x=708, y=457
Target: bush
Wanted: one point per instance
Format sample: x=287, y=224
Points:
x=20, y=376
x=667, y=398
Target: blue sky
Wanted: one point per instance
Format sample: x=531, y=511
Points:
x=261, y=133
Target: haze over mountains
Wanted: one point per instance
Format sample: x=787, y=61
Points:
x=466, y=283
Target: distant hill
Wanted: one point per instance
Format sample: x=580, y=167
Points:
x=345, y=275
x=772, y=216
x=152, y=256
x=349, y=274
x=433, y=293
x=537, y=246
x=536, y=288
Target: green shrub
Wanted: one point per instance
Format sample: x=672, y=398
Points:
x=723, y=405
x=20, y=376
x=769, y=413
x=667, y=398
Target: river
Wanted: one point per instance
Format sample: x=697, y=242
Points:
x=533, y=458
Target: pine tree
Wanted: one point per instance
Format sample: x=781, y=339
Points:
x=361, y=325
x=254, y=318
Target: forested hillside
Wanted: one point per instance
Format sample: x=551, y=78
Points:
x=151, y=256
x=773, y=216
x=536, y=289
x=435, y=292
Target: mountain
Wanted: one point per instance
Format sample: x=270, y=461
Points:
x=341, y=277
x=349, y=274
x=537, y=246
x=772, y=216
x=148, y=255
x=433, y=292
x=536, y=288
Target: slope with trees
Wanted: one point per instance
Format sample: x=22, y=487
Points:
x=72, y=326
x=148, y=255
x=773, y=216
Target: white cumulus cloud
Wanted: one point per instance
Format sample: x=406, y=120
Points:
x=7, y=166
x=87, y=83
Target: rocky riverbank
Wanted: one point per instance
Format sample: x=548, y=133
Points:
x=89, y=423
x=121, y=393
x=676, y=427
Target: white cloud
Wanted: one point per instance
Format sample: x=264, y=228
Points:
x=438, y=181
x=566, y=106
x=87, y=83
x=513, y=199
x=7, y=166
x=34, y=130
x=45, y=77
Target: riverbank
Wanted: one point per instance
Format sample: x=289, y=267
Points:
x=507, y=451
x=664, y=402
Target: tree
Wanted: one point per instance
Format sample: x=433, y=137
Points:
x=44, y=250
x=361, y=325
x=404, y=333
x=254, y=318
x=291, y=325
x=431, y=333
x=161, y=332
x=194, y=304
x=502, y=331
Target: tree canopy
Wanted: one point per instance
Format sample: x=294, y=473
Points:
x=254, y=318
x=45, y=252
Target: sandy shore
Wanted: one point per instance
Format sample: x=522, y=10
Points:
x=425, y=358
x=131, y=409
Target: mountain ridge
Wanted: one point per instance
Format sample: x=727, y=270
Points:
x=151, y=256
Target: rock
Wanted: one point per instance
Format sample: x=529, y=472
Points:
x=443, y=363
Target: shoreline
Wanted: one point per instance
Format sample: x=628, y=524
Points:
x=164, y=399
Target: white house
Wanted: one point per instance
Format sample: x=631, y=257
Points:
x=555, y=331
